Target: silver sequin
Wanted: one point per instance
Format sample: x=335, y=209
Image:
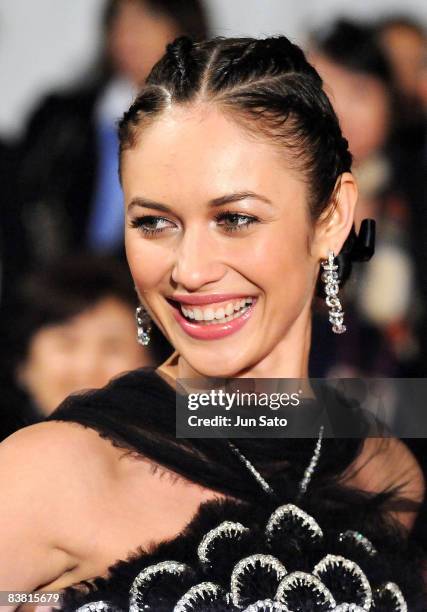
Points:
x=265, y=561
x=227, y=529
x=331, y=562
x=286, y=510
x=97, y=606
x=359, y=540
x=267, y=605
x=145, y=577
x=192, y=597
x=308, y=474
x=252, y=469
x=292, y=582
x=396, y=594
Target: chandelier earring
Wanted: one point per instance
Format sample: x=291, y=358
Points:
x=331, y=280
x=143, y=326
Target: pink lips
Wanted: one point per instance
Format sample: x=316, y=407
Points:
x=198, y=300
x=214, y=331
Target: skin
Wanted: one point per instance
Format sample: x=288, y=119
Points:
x=275, y=259
x=137, y=39
x=84, y=352
x=57, y=540
x=91, y=504
x=361, y=102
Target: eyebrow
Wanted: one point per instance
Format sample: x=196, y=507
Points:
x=214, y=203
x=237, y=197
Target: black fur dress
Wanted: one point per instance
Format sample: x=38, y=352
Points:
x=332, y=548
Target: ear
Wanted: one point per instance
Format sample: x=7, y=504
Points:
x=334, y=225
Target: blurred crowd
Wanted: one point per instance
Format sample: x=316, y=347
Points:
x=67, y=299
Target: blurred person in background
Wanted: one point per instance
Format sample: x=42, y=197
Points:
x=418, y=195
x=422, y=84
x=405, y=43
x=13, y=255
x=361, y=85
x=73, y=329
x=70, y=194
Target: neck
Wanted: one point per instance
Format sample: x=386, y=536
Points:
x=289, y=358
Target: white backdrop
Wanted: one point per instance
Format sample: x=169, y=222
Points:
x=47, y=43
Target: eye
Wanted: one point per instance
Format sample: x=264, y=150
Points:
x=151, y=225
x=231, y=221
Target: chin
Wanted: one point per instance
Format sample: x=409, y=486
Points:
x=214, y=364
x=219, y=372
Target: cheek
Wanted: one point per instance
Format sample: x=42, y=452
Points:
x=281, y=265
x=148, y=261
x=275, y=259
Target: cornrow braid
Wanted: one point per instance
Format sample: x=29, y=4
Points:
x=183, y=66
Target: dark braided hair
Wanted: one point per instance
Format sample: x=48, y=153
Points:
x=269, y=87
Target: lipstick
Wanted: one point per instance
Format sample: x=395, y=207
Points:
x=213, y=331
x=213, y=298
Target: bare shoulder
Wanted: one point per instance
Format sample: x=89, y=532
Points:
x=39, y=475
x=46, y=470
x=53, y=441
x=55, y=460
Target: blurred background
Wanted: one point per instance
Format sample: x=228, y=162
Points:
x=69, y=69
x=51, y=43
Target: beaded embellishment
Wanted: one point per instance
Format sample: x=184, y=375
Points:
x=227, y=529
x=143, y=326
x=330, y=278
x=327, y=587
x=359, y=539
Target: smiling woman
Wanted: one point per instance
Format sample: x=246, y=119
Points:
x=238, y=190
x=239, y=226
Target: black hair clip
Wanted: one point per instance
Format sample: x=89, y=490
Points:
x=357, y=248
x=364, y=245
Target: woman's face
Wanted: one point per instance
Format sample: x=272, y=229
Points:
x=84, y=352
x=137, y=39
x=218, y=227
x=361, y=102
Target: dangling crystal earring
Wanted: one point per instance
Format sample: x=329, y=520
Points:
x=143, y=326
x=330, y=278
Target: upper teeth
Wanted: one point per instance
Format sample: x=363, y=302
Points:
x=210, y=313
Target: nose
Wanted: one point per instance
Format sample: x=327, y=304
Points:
x=197, y=261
